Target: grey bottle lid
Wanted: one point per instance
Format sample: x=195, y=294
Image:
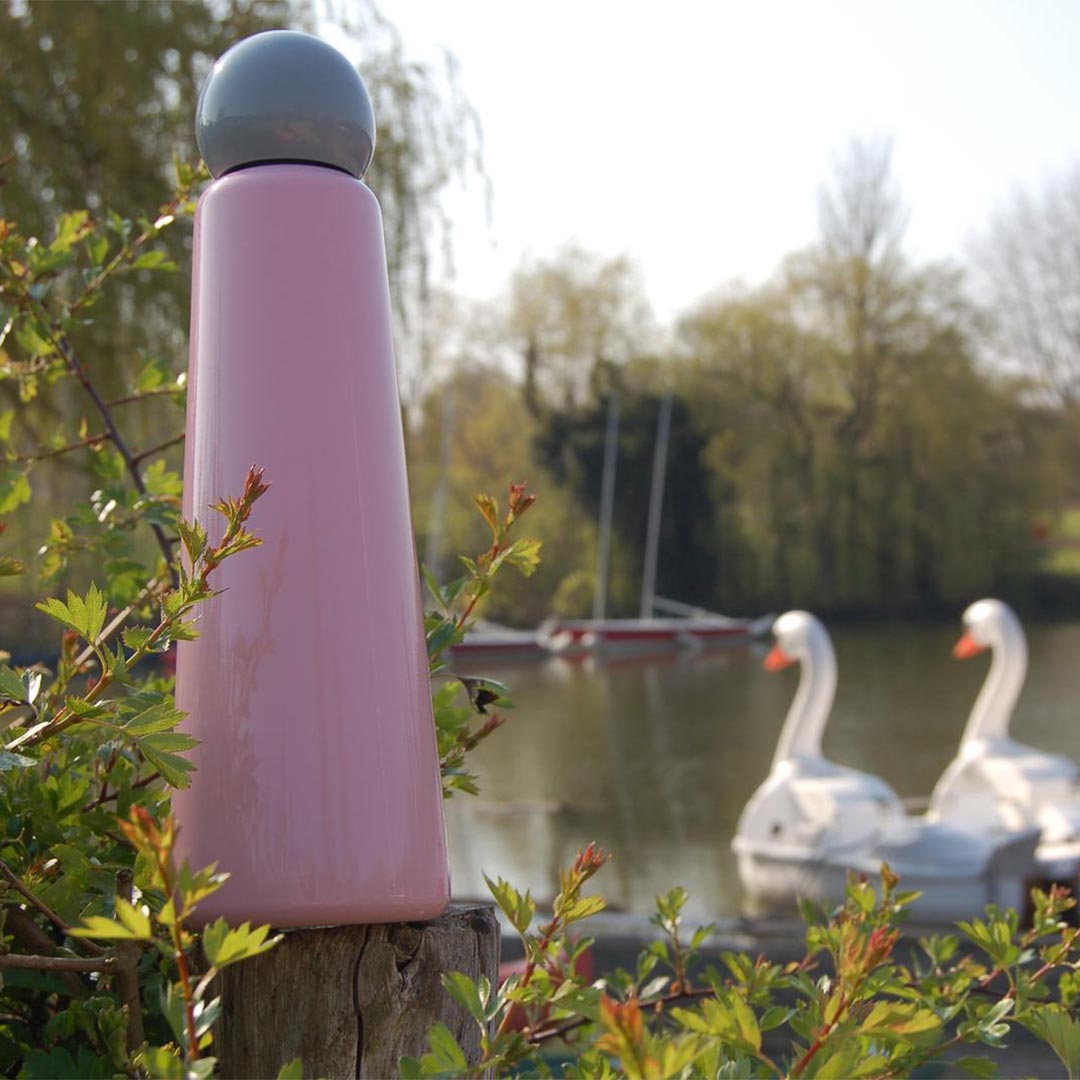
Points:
x=281, y=95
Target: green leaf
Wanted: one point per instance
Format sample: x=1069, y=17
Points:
x=224, y=946
x=900, y=1021
x=135, y=637
x=525, y=555
x=97, y=608
x=56, y=1063
x=14, y=489
x=85, y=616
x=99, y=927
x=12, y=688
x=453, y=589
x=584, y=1000
x=172, y=1005
x=97, y=247
x=291, y=1070
x=85, y=710
x=162, y=481
x=193, y=536
x=70, y=228
x=981, y=1068
x=134, y=919
x=167, y=742
x=161, y=716
x=193, y=886
x=1061, y=1032
x=153, y=260
x=862, y=894
x=155, y=372
x=14, y=761
x=464, y=991
x=582, y=908
x=489, y=508
x=847, y=1060
x=775, y=1016
x=445, y=1050
x=206, y=1015
x=33, y=339
x=175, y=770
x=443, y=635
x=745, y=1021
x=433, y=585
x=162, y=1063
x=202, y=1069
x=518, y=908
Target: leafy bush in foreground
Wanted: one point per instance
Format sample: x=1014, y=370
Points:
x=861, y=1003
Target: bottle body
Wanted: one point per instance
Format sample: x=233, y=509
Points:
x=316, y=784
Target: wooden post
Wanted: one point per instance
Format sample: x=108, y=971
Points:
x=351, y=1001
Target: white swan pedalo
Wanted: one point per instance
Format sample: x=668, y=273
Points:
x=812, y=821
x=994, y=782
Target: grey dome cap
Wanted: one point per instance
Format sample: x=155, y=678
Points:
x=284, y=96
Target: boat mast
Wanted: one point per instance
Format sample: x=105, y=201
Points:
x=437, y=512
x=656, y=501
x=607, y=507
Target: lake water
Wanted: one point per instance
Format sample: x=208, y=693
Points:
x=655, y=759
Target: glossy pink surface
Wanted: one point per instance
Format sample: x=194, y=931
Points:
x=317, y=782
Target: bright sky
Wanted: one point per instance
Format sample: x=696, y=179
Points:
x=692, y=136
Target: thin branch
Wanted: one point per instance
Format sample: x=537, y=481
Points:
x=141, y=395
x=819, y=1039
x=106, y=797
x=14, y=881
x=75, y=365
x=59, y=963
x=103, y=790
x=31, y=937
x=127, y=978
x=71, y=358
x=143, y=454
x=79, y=444
x=165, y=872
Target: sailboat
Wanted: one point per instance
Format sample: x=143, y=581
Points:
x=680, y=625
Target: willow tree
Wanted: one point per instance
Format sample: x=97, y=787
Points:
x=98, y=107
x=574, y=318
x=99, y=101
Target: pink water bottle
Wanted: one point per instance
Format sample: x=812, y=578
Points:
x=317, y=780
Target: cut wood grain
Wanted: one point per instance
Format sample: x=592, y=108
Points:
x=351, y=1001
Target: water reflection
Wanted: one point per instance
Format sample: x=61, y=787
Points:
x=656, y=758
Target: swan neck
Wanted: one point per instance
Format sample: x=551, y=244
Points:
x=806, y=719
x=994, y=706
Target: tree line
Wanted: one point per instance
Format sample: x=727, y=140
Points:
x=862, y=433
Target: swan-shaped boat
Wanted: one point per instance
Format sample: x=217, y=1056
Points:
x=812, y=821
x=995, y=782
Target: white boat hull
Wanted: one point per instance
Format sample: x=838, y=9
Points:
x=956, y=872
x=775, y=884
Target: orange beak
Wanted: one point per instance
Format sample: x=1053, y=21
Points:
x=967, y=646
x=778, y=659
